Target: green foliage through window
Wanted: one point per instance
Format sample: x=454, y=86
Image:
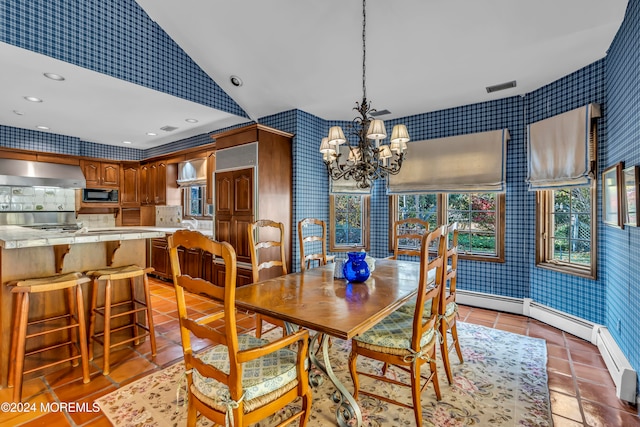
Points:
x=194, y=201
x=348, y=220
x=477, y=215
x=570, y=216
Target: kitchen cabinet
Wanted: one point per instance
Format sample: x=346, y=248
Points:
x=244, y=276
x=159, y=254
x=191, y=260
x=253, y=180
x=158, y=183
x=100, y=174
x=130, y=185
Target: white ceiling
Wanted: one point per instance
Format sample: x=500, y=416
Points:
x=422, y=55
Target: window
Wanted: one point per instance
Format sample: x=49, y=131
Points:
x=194, y=199
x=566, y=230
x=349, y=222
x=480, y=218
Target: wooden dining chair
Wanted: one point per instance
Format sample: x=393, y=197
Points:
x=447, y=308
x=406, y=341
x=240, y=379
x=266, y=247
x=407, y=236
x=312, y=236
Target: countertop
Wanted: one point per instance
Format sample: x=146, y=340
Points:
x=14, y=237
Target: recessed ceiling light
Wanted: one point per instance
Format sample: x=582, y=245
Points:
x=42, y=127
x=19, y=113
x=32, y=99
x=126, y=142
x=151, y=134
x=191, y=120
x=54, y=76
x=236, y=81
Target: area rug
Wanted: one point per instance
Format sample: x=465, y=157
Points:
x=502, y=382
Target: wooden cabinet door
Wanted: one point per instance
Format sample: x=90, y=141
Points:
x=145, y=194
x=240, y=226
x=243, y=276
x=208, y=268
x=160, y=258
x=223, y=229
x=224, y=193
x=110, y=174
x=192, y=263
x=130, y=188
x=243, y=192
x=160, y=183
x=91, y=171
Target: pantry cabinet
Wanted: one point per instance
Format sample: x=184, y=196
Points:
x=253, y=180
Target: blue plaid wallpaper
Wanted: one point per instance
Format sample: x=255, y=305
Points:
x=581, y=297
x=620, y=249
x=97, y=35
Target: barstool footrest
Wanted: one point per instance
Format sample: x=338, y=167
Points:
x=58, y=329
x=57, y=362
x=50, y=347
x=121, y=342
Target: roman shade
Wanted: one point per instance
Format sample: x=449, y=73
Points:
x=464, y=163
x=561, y=151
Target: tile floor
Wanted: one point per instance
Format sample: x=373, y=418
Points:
x=582, y=392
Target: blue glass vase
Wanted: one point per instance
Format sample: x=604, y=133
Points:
x=356, y=268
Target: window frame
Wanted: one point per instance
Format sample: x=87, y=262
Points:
x=543, y=245
x=366, y=208
x=441, y=208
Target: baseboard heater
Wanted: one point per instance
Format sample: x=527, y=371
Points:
x=623, y=375
x=620, y=369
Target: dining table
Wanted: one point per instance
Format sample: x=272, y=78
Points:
x=333, y=307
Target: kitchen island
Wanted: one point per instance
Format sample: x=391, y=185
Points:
x=28, y=253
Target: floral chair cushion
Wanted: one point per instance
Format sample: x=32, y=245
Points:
x=259, y=377
x=395, y=332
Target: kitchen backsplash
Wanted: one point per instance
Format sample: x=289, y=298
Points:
x=171, y=216
x=38, y=199
x=97, y=220
x=168, y=216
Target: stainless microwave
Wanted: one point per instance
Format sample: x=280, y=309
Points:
x=99, y=195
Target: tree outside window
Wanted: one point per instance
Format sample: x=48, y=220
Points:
x=480, y=218
x=566, y=230
x=350, y=222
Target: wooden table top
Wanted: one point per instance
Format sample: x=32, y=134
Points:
x=315, y=300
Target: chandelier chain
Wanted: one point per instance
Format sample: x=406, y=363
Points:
x=369, y=160
x=364, y=48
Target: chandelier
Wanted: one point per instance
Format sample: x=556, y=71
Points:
x=370, y=159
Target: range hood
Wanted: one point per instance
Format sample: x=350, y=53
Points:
x=25, y=173
x=192, y=172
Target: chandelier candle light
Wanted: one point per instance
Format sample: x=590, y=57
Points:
x=369, y=159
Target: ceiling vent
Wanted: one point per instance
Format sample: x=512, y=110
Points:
x=168, y=128
x=501, y=86
x=379, y=113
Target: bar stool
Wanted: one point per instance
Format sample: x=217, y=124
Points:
x=74, y=323
x=114, y=309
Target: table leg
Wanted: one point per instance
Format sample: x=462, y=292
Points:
x=348, y=408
